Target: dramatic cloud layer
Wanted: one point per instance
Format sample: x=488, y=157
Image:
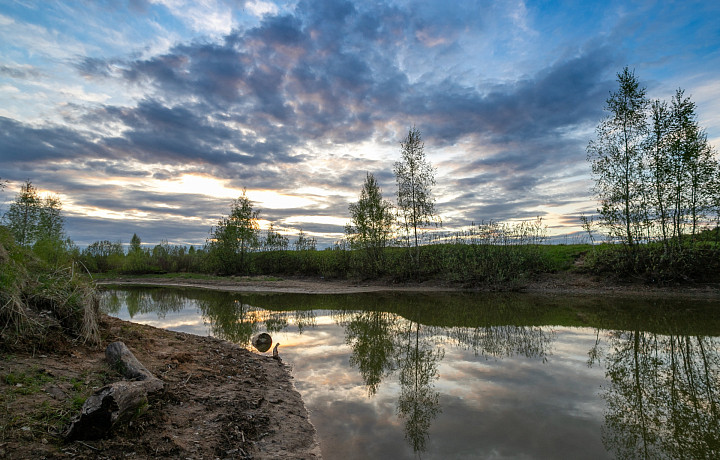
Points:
x=150, y=117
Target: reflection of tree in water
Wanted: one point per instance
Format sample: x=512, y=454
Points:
x=419, y=403
x=276, y=321
x=231, y=317
x=662, y=401
x=111, y=301
x=142, y=301
x=383, y=342
x=505, y=341
x=234, y=320
x=370, y=336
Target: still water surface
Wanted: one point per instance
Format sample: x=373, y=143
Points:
x=456, y=376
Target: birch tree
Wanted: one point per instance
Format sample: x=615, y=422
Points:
x=235, y=236
x=415, y=179
x=617, y=159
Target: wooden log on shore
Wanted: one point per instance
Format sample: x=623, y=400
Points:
x=118, y=402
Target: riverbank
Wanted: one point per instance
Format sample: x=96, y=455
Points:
x=562, y=283
x=220, y=400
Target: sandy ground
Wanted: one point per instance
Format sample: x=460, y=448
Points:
x=220, y=401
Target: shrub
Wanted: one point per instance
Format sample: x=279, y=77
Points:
x=36, y=297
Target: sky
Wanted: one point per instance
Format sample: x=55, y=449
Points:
x=151, y=116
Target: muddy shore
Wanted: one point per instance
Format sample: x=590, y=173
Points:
x=220, y=401
x=564, y=283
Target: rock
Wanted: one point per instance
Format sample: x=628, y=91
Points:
x=262, y=342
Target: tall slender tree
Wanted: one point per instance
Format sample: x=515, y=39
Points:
x=415, y=179
x=617, y=159
x=693, y=166
x=659, y=166
x=23, y=216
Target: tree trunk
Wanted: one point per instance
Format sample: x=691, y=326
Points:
x=118, y=402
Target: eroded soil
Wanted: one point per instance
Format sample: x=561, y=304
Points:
x=220, y=400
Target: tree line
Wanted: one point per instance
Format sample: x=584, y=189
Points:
x=382, y=239
x=657, y=181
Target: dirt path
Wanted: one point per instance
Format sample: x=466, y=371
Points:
x=220, y=401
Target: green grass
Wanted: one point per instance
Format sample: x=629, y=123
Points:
x=27, y=383
x=562, y=257
x=42, y=416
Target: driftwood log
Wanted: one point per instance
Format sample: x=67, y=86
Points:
x=118, y=402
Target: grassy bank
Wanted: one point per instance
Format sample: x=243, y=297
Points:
x=40, y=299
x=501, y=267
x=493, y=266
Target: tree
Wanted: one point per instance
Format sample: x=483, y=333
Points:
x=137, y=260
x=616, y=158
x=415, y=178
x=371, y=223
x=37, y=223
x=23, y=216
x=304, y=242
x=275, y=241
x=235, y=236
x=103, y=256
x=692, y=168
x=659, y=166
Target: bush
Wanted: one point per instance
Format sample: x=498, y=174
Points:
x=36, y=298
x=656, y=263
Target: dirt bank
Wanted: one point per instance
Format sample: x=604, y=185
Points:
x=564, y=283
x=220, y=401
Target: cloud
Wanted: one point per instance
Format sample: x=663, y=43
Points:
x=279, y=98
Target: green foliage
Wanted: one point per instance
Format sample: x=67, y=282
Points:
x=415, y=179
x=656, y=176
x=23, y=216
x=305, y=242
x=36, y=298
x=234, y=238
x=37, y=223
x=371, y=227
x=103, y=256
x=658, y=183
x=27, y=383
x=616, y=158
x=275, y=241
x=656, y=263
x=137, y=260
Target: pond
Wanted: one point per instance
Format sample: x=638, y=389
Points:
x=390, y=375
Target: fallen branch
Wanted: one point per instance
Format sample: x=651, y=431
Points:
x=118, y=402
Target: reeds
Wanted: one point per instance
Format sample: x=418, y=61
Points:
x=36, y=298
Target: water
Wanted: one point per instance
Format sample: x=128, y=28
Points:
x=457, y=376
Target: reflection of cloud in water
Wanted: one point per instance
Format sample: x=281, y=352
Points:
x=186, y=320
x=519, y=407
x=504, y=391
x=360, y=431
